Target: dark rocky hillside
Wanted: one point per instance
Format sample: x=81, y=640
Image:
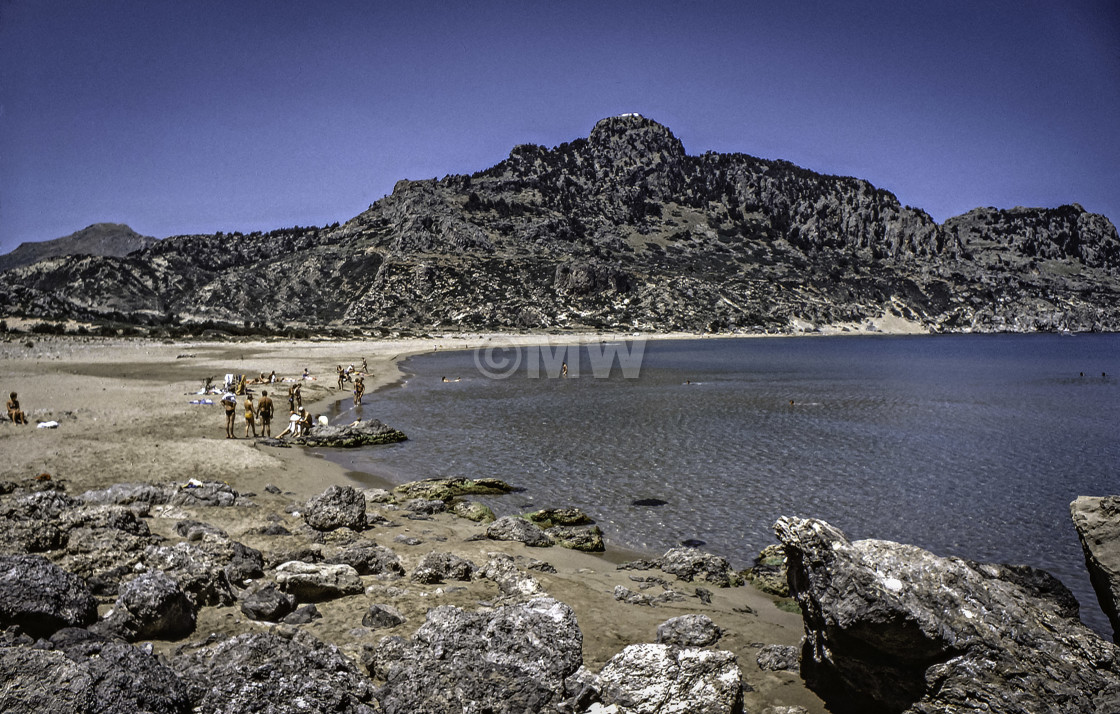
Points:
x=621, y=230
x=98, y=239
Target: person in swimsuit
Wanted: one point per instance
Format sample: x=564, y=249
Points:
x=299, y=396
x=264, y=411
x=14, y=412
x=229, y=401
x=359, y=390
x=250, y=417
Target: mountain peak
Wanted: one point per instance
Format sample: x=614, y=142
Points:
x=109, y=239
x=627, y=134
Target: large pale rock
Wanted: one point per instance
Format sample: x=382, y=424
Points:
x=894, y=628
x=337, y=507
x=314, y=582
x=1097, y=521
x=659, y=679
x=508, y=661
x=41, y=597
x=692, y=564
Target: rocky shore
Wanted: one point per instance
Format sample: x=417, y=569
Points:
x=149, y=565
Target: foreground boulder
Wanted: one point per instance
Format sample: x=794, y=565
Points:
x=266, y=672
x=151, y=606
x=77, y=671
x=659, y=679
x=507, y=661
x=315, y=582
x=41, y=597
x=1097, y=521
x=337, y=507
x=894, y=628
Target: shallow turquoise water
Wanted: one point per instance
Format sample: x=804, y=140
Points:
x=965, y=445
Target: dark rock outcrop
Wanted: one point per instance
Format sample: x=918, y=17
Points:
x=270, y=673
x=369, y=559
x=268, y=604
x=77, y=671
x=588, y=539
x=1097, y=521
x=41, y=597
x=893, y=628
x=362, y=433
x=690, y=564
x=151, y=606
x=445, y=489
x=507, y=661
x=382, y=616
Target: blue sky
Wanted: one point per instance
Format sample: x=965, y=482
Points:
x=200, y=116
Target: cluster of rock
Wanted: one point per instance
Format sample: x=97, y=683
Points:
x=622, y=229
x=64, y=555
x=368, y=432
x=894, y=628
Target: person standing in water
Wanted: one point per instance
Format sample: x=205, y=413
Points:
x=359, y=390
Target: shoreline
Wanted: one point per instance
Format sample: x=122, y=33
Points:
x=124, y=417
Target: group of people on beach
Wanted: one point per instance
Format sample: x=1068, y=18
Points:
x=300, y=421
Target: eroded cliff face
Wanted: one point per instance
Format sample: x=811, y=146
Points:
x=620, y=230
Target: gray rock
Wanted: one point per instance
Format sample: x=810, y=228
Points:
x=369, y=432
x=124, y=494
x=41, y=505
x=511, y=660
x=265, y=672
x=209, y=494
x=1097, y=521
x=689, y=631
x=502, y=569
x=445, y=489
x=424, y=506
x=659, y=679
x=194, y=530
x=769, y=571
x=41, y=597
x=473, y=511
x=548, y=517
x=369, y=559
x=85, y=673
x=151, y=606
x=268, y=604
x=119, y=518
x=302, y=616
x=779, y=658
x=628, y=596
x=19, y=537
x=314, y=582
x=199, y=568
x=690, y=564
x=382, y=616
x=438, y=567
x=104, y=557
x=892, y=627
x=588, y=539
x=511, y=528
x=337, y=507
x=407, y=540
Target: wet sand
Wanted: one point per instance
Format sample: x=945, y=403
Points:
x=124, y=414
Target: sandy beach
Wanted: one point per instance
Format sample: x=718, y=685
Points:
x=124, y=414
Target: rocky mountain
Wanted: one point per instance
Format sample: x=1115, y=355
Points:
x=114, y=239
x=622, y=229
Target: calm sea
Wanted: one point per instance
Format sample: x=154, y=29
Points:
x=969, y=445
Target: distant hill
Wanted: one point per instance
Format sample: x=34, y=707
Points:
x=115, y=239
x=619, y=230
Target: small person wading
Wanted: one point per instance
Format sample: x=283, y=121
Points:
x=359, y=390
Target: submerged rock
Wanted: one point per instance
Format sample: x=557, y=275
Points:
x=1097, y=521
x=894, y=628
x=445, y=489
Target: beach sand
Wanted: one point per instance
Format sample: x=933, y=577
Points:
x=124, y=415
